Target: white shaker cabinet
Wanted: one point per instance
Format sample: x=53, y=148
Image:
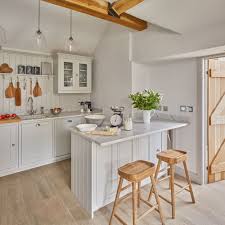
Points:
x=74, y=73
x=63, y=135
x=36, y=142
x=158, y=143
x=9, y=147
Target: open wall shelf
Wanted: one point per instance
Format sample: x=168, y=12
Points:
x=9, y=75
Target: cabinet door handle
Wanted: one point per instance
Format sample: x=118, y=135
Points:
x=13, y=145
x=158, y=150
x=38, y=125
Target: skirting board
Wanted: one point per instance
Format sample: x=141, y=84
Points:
x=194, y=177
x=32, y=166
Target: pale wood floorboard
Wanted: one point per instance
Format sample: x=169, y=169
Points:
x=42, y=196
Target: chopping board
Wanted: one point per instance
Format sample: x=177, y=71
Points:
x=110, y=132
x=10, y=91
x=15, y=120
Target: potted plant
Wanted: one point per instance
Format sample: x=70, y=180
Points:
x=148, y=101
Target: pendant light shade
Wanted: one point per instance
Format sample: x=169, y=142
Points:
x=70, y=40
x=40, y=39
x=3, y=39
x=39, y=36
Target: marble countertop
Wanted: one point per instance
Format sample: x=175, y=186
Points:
x=139, y=130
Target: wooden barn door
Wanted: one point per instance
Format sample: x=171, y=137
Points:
x=216, y=120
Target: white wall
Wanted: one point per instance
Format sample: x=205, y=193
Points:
x=112, y=70
x=179, y=82
x=49, y=99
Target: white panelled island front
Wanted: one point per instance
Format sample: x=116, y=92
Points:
x=95, y=159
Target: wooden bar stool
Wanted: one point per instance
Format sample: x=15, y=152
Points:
x=135, y=172
x=173, y=157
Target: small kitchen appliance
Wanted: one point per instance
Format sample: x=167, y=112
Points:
x=116, y=119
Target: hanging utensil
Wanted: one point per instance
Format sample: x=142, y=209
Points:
x=24, y=84
x=37, y=90
x=18, y=93
x=10, y=90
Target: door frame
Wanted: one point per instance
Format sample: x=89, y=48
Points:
x=205, y=119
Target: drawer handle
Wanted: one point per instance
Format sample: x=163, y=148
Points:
x=38, y=125
x=13, y=145
x=158, y=150
x=69, y=121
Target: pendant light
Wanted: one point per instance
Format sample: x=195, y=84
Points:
x=39, y=36
x=70, y=41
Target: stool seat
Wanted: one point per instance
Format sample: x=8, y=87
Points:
x=172, y=156
x=137, y=171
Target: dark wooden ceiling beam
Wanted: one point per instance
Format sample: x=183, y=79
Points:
x=98, y=8
x=121, y=6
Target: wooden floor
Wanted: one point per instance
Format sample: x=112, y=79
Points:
x=42, y=197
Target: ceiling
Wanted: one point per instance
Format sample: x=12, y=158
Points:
x=182, y=16
x=19, y=18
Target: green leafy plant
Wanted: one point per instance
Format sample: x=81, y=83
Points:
x=146, y=100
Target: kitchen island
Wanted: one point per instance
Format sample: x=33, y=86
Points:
x=95, y=159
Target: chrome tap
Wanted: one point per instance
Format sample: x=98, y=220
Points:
x=31, y=110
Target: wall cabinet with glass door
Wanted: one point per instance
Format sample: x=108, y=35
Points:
x=74, y=73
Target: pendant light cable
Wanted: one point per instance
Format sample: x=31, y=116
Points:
x=39, y=14
x=71, y=23
x=39, y=36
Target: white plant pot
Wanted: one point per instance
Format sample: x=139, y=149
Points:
x=147, y=115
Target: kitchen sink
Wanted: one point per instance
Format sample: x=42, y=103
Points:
x=33, y=117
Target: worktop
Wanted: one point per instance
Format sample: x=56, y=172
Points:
x=139, y=130
x=95, y=159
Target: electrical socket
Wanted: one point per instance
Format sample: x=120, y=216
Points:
x=190, y=108
x=183, y=108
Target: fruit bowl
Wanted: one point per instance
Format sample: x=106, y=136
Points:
x=95, y=119
x=86, y=127
x=56, y=111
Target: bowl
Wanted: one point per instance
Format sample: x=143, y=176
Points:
x=86, y=127
x=95, y=119
x=56, y=111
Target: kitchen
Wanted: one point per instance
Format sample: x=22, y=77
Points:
x=107, y=63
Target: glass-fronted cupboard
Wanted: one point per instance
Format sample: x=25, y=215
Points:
x=74, y=73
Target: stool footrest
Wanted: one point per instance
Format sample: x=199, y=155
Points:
x=147, y=212
x=120, y=220
x=126, y=187
x=186, y=187
x=162, y=179
x=149, y=204
x=183, y=189
x=124, y=197
x=165, y=199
